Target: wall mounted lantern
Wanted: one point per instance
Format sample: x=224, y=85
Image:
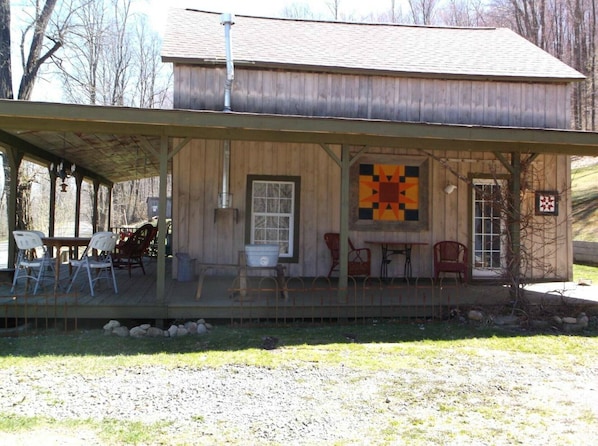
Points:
x=450, y=188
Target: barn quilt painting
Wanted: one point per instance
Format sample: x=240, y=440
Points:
x=388, y=194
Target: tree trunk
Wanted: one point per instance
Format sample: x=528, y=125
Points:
x=35, y=60
x=5, y=68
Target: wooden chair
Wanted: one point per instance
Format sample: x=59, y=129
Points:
x=450, y=257
x=360, y=259
x=130, y=252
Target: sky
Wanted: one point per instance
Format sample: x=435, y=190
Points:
x=157, y=11
x=267, y=8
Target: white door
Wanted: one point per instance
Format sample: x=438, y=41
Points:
x=488, y=257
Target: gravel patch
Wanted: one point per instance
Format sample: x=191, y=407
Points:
x=313, y=404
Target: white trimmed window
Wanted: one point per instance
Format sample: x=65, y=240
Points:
x=273, y=212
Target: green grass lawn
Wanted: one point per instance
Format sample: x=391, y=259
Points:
x=585, y=197
x=433, y=401
x=585, y=272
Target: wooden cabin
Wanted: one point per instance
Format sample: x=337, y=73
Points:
x=229, y=193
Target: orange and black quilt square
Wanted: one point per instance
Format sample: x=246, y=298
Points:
x=389, y=192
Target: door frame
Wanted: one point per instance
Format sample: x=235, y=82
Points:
x=477, y=271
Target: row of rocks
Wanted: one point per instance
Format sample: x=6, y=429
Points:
x=198, y=327
x=570, y=324
x=566, y=323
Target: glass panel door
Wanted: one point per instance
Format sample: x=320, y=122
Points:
x=488, y=228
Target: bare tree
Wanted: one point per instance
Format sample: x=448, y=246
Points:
x=35, y=58
x=567, y=30
x=113, y=58
x=152, y=84
x=334, y=8
x=423, y=12
x=83, y=54
x=40, y=39
x=5, y=48
x=463, y=13
x=297, y=10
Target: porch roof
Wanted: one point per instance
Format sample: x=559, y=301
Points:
x=117, y=144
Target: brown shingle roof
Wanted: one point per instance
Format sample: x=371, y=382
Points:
x=198, y=37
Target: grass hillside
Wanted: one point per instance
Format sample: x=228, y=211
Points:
x=584, y=191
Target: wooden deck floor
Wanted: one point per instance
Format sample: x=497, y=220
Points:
x=308, y=299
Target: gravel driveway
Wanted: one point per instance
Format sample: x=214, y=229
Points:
x=497, y=399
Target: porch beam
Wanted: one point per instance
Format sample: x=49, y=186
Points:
x=28, y=115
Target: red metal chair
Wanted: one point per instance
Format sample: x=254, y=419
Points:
x=450, y=257
x=360, y=259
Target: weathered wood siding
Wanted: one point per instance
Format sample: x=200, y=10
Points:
x=197, y=173
x=211, y=238
x=542, y=105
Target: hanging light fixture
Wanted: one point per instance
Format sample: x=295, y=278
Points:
x=64, y=169
x=63, y=172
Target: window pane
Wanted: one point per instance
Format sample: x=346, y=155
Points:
x=260, y=222
x=259, y=189
x=286, y=191
x=273, y=206
x=260, y=236
x=286, y=206
x=259, y=205
x=273, y=190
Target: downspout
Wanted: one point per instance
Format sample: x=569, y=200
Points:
x=227, y=20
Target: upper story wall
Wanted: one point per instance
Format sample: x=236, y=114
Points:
x=436, y=100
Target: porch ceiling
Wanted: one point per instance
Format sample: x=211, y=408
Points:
x=117, y=144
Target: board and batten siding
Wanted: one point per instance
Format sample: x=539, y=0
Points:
x=197, y=174
x=218, y=238
x=500, y=103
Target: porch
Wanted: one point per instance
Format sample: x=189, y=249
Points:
x=309, y=299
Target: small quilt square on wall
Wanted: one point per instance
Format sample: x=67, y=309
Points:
x=547, y=202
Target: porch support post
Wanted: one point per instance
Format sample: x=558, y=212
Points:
x=94, y=208
x=344, y=224
x=109, y=198
x=515, y=222
x=161, y=261
x=14, y=158
x=52, y=216
x=78, y=183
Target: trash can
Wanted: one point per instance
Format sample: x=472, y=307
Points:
x=186, y=267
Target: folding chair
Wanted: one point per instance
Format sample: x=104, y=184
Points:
x=29, y=260
x=103, y=244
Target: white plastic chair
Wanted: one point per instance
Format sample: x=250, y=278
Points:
x=103, y=244
x=29, y=243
